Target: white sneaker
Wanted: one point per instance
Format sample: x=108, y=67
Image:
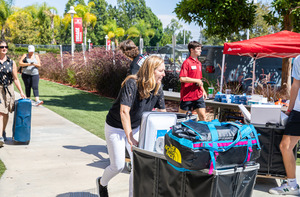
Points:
x=285, y=189
x=37, y=103
x=1, y=141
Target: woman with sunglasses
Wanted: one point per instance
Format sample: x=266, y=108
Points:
x=30, y=73
x=8, y=75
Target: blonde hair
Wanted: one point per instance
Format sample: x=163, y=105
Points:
x=145, y=78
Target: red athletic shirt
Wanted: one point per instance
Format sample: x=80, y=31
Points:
x=190, y=91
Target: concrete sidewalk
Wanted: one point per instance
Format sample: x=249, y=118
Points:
x=63, y=160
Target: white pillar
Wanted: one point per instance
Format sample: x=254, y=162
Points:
x=61, y=56
x=141, y=45
x=222, y=73
x=253, y=76
x=72, y=12
x=106, y=37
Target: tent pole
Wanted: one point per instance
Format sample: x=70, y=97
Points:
x=253, y=76
x=222, y=73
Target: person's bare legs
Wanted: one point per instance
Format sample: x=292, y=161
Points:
x=184, y=112
x=201, y=114
x=290, y=187
x=287, y=145
x=3, y=121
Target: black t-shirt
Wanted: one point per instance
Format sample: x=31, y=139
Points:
x=129, y=96
x=137, y=63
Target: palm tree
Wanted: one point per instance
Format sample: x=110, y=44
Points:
x=140, y=29
x=113, y=31
x=88, y=19
x=5, y=11
x=52, y=13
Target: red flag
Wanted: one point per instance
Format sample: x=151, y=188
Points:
x=78, y=30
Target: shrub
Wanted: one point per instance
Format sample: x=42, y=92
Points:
x=171, y=80
x=103, y=70
x=22, y=50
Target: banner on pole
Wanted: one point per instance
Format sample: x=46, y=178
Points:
x=108, y=44
x=78, y=30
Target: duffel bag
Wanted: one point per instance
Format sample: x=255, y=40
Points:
x=215, y=145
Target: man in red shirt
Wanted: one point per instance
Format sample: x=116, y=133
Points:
x=192, y=93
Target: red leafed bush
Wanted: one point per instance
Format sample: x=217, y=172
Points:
x=102, y=71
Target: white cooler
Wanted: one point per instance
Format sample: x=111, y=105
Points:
x=154, y=126
x=262, y=114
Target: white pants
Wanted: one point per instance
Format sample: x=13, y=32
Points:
x=116, y=141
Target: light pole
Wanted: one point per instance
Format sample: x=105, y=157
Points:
x=72, y=12
x=141, y=45
x=106, y=37
x=89, y=41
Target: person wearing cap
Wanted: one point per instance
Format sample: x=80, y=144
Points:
x=30, y=64
x=8, y=75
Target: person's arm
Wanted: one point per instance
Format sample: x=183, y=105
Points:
x=161, y=110
x=126, y=123
x=38, y=64
x=21, y=63
x=191, y=80
x=294, y=93
x=17, y=81
x=204, y=93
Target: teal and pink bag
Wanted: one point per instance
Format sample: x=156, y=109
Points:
x=194, y=145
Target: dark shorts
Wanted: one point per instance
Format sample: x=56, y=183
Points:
x=192, y=105
x=293, y=124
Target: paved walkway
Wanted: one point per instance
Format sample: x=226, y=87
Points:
x=63, y=160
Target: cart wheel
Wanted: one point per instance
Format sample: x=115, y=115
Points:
x=128, y=166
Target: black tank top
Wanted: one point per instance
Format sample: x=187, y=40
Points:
x=6, y=77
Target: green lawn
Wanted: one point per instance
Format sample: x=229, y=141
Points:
x=84, y=109
x=2, y=168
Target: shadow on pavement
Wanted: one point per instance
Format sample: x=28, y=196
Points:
x=10, y=141
x=264, y=184
x=95, y=150
x=78, y=194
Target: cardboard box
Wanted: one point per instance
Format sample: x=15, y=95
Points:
x=262, y=114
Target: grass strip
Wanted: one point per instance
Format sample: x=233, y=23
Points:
x=80, y=107
x=2, y=168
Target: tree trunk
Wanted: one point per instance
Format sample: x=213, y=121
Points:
x=116, y=42
x=52, y=28
x=2, y=32
x=286, y=75
x=286, y=62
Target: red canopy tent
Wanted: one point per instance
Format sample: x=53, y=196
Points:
x=283, y=44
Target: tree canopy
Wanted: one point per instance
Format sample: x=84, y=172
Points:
x=219, y=17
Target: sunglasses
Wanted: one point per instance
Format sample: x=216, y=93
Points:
x=2, y=47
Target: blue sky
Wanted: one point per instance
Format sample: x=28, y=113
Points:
x=163, y=9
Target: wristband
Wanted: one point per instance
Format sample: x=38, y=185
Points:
x=288, y=110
